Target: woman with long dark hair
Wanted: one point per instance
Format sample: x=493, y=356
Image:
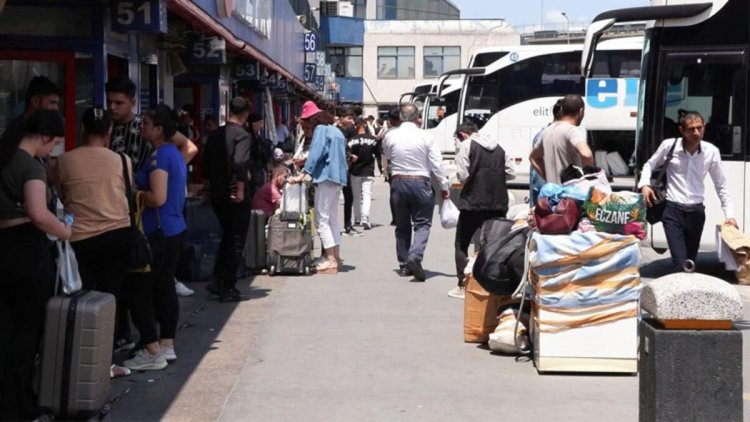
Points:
x=91, y=184
x=153, y=298
x=26, y=267
x=326, y=164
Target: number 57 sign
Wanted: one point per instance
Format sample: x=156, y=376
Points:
x=139, y=16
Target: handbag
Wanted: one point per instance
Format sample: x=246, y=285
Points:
x=139, y=256
x=561, y=220
x=658, y=184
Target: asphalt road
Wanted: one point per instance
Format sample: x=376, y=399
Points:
x=363, y=345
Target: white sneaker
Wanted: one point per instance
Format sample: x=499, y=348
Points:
x=145, y=361
x=182, y=289
x=504, y=339
x=169, y=354
x=457, y=293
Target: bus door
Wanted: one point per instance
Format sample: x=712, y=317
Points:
x=713, y=83
x=17, y=68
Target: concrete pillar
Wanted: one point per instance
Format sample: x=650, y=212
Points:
x=690, y=362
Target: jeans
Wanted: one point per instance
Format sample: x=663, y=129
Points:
x=362, y=189
x=348, y=202
x=683, y=227
x=469, y=221
x=414, y=203
x=234, y=220
x=327, y=213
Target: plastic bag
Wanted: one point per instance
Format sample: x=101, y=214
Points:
x=449, y=214
x=67, y=268
x=619, y=212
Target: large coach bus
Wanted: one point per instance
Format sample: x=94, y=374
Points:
x=509, y=92
x=695, y=57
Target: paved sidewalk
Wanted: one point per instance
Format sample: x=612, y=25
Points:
x=363, y=345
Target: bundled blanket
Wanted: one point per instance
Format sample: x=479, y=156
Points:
x=584, y=278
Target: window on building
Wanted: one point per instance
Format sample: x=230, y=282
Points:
x=396, y=62
x=346, y=61
x=416, y=10
x=438, y=60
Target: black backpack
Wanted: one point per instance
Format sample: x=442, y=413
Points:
x=500, y=264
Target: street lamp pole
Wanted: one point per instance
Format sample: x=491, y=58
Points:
x=567, y=30
x=542, y=16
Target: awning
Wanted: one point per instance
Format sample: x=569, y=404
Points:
x=197, y=16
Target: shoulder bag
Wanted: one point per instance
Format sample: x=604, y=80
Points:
x=658, y=184
x=139, y=254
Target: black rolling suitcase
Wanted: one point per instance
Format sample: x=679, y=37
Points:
x=255, y=243
x=289, y=240
x=76, y=354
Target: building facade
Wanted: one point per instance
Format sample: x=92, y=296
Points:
x=380, y=49
x=195, y=54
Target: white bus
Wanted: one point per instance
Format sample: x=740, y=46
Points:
x=512, y=89
x=695, y=57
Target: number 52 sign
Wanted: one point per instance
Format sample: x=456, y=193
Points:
x=139, y=16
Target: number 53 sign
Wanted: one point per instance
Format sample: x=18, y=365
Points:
x=139, y=16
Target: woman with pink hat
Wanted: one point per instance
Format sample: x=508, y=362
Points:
x=326, y=165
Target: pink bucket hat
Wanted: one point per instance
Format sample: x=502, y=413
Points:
x=309, y=109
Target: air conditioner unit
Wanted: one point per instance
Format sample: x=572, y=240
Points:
x=346, y=9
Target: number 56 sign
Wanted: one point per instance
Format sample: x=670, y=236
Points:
x=139, y=16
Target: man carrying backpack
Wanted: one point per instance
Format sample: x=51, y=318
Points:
x=483, y=168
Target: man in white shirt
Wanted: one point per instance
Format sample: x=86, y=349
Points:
x=413, y=158
x=684, y=214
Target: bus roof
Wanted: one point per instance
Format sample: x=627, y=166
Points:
x=528, y=51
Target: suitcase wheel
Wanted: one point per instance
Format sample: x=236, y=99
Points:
x=272, y=270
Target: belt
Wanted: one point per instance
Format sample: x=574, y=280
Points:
x=687, y=207
x=409, y=177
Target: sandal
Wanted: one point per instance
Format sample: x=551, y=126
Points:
x=118, y=371
x=327, y=268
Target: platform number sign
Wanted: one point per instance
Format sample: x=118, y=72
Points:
x=209, y=50
x=320, y=83
x=246, y=71
x=311, y=42
x=311, y=71
x=146, y=16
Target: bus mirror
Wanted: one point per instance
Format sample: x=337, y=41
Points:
x=594, y=32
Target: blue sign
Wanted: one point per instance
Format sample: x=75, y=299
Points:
x=209, y=50
x=147, y=16
x=246, y=71
x=311, y=42
x=605, y=93
x=320, y=83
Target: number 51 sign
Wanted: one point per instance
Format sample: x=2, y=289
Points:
x=139, y=16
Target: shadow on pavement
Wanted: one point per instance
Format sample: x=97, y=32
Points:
x=707, y=263
x=147, y=395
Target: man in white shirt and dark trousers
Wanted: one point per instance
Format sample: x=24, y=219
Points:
x=413, y=157
x=684, y=214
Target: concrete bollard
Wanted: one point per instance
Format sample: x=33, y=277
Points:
x=690, y=363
